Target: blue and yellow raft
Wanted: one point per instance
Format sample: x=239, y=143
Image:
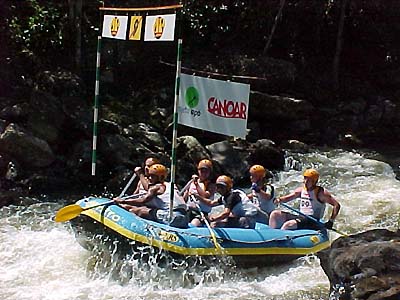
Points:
x=261, y=246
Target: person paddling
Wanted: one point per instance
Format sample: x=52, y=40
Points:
x=234, y=213
x=154, y=205
x=313, y=200
x=262, y=193
x=143, y=173
x=201, y=185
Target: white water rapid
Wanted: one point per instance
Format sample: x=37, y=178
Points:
x=41, y=260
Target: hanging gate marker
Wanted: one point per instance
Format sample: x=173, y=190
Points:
x=121, y=35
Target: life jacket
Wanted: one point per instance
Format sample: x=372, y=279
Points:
x=179, y=216
x=310, y=204
x=163, y=201
x=245, y=208
x=266, y=205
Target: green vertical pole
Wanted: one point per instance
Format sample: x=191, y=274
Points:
x=175, y=126
x=96, y=106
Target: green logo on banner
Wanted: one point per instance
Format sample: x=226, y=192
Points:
x=192, y=97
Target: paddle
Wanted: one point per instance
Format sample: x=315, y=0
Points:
x=185, y=187
x=213, y=237
x=72, y=211
x=127, y=185
x=311, y=218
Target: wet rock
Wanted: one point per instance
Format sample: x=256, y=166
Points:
x=190, y=151
x=148, y=136
x=364, y=266
x=116, y=150
x=230, y=159
x=16, y=113
x=266, y=153
x=26, y=148
x=44, y=184
x=10, y=196
x=79, y=116
x=267, y=107
x=350, y=141
x=190, y=148
x=119, y=180
x=3, y=125
x=236, y=157
x=46, y=117
x=60, y=83
x=296, y=146
x=109, y=127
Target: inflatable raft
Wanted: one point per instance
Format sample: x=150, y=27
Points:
x=261, y=246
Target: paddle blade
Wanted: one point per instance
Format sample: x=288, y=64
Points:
x=68, y=212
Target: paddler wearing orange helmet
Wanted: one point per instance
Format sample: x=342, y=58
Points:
x=203, y=185
x=234, y=213
x=313, y=200
x=155, y=199
x=262, y=193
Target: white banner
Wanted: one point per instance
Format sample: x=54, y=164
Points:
x=160, y=28
x=214, y=105
x=115, y=27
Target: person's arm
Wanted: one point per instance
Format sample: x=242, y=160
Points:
x=155, y=190
x=137, y=188
x=293, y=195
x=142, y=179
x=203, y=193
x=265, y=195
x=224, y=214
x=326, y=197
x=207, y=201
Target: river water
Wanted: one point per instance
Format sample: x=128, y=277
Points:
x=40, y=259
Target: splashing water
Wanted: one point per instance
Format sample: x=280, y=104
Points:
x=41, y=259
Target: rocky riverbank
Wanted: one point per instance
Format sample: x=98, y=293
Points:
x=364, y=266
x=46, y=128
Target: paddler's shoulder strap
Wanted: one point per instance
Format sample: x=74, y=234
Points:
x=318, y=189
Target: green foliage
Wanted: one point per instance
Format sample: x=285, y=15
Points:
x=36, y=27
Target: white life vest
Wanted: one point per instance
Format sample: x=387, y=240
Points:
x=266, y=205
x=310, y=205
x=244, y=208
x=162, y=201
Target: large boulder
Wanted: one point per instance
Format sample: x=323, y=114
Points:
x=364, y=266
x=189, y=151
x=146, y=135
x=46, y=117
x=27, y=149
x=230, y=159
x=270, y=107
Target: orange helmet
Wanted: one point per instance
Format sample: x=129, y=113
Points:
x=258, y=169
x=159, y=170
x=205, y=163
x=225, y=180
x=312, y=173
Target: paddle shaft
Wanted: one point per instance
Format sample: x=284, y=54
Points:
x=72, y=211
x=127, y=185
x=185, y=187
x=112, y=201
x=311, y=218
x=213, y=237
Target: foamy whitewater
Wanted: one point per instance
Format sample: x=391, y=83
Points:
x=40, y=259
